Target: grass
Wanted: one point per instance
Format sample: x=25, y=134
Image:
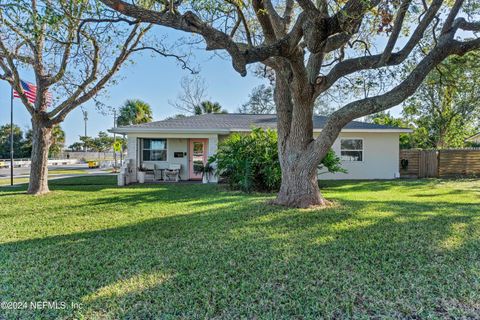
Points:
x=6, y=181
x=392, y=249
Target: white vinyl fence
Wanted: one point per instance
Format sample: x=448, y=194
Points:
x=23, y=163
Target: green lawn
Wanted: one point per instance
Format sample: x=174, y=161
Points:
x=394, y=249
x=6, y=181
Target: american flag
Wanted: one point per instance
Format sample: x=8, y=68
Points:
x=30, y=91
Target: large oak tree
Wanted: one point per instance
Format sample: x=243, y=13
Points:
x=313, y=45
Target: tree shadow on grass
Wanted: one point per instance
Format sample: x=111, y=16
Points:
x=362, y=259
x=374, y=185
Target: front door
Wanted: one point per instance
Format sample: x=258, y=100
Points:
x=198, y=156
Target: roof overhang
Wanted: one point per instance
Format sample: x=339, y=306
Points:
x=166, y=130
x=396, y=130
x=127, y=130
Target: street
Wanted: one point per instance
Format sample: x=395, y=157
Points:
x=21, y=175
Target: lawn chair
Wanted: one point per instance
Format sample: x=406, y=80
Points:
x=172, y=173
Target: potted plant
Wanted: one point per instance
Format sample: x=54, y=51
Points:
x=206, y=170
x=141, y=173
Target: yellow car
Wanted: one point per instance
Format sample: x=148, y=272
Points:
x=93, y=164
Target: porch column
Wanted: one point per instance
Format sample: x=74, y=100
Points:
x=133, y=155
x=212, y=149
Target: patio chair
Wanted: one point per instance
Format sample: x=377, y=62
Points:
x=173, y=172
x=158, y=172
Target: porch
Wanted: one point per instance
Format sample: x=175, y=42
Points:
x=151, y=151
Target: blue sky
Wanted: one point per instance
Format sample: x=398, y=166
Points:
x=155, y=80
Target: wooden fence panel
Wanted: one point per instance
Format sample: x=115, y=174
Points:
x=413, y=158
x=461, y=162
x=441, y=163
x=428, y=164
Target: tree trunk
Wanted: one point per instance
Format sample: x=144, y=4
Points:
x=298, y=160
x=41, y=140
x=299, y=186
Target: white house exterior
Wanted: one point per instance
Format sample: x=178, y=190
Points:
x=368, y=151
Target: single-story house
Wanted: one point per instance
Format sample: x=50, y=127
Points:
x=474, y=139
x=367, y=150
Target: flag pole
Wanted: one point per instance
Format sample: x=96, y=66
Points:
x=114, y=139
x=11, y=136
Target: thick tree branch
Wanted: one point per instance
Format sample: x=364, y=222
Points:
x=309, y=8
x=12, y=76
x=265, y=21
x=275, y=18
x=353, y=65
x=240, y=53
x=467, y=26
x=397, y=28
x=188, y=22
x=447, y=46
x=288, y=14
x=452, y=15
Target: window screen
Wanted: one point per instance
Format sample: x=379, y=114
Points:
x=351, y=149
x=154, y=149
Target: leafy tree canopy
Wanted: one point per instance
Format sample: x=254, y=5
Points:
x=18, y=142
x=446, y=109
x=22, y=144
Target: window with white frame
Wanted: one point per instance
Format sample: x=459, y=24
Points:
x=351, y=149
x=154, y=150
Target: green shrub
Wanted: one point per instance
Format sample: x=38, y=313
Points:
x=250, y=161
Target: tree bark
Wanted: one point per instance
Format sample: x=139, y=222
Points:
x=41, y=139
x=299, y=186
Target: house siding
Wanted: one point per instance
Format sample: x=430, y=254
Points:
x=380, y=157
x=380, y=153
x=175, y=143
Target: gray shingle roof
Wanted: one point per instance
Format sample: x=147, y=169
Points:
x=237, y=121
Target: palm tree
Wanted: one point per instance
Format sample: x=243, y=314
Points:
x=134, y=111
x=57, y=141
x=208, y=107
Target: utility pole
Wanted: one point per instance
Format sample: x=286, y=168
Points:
x=85, y=119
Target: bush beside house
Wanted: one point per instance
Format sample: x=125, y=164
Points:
x=250, y=162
